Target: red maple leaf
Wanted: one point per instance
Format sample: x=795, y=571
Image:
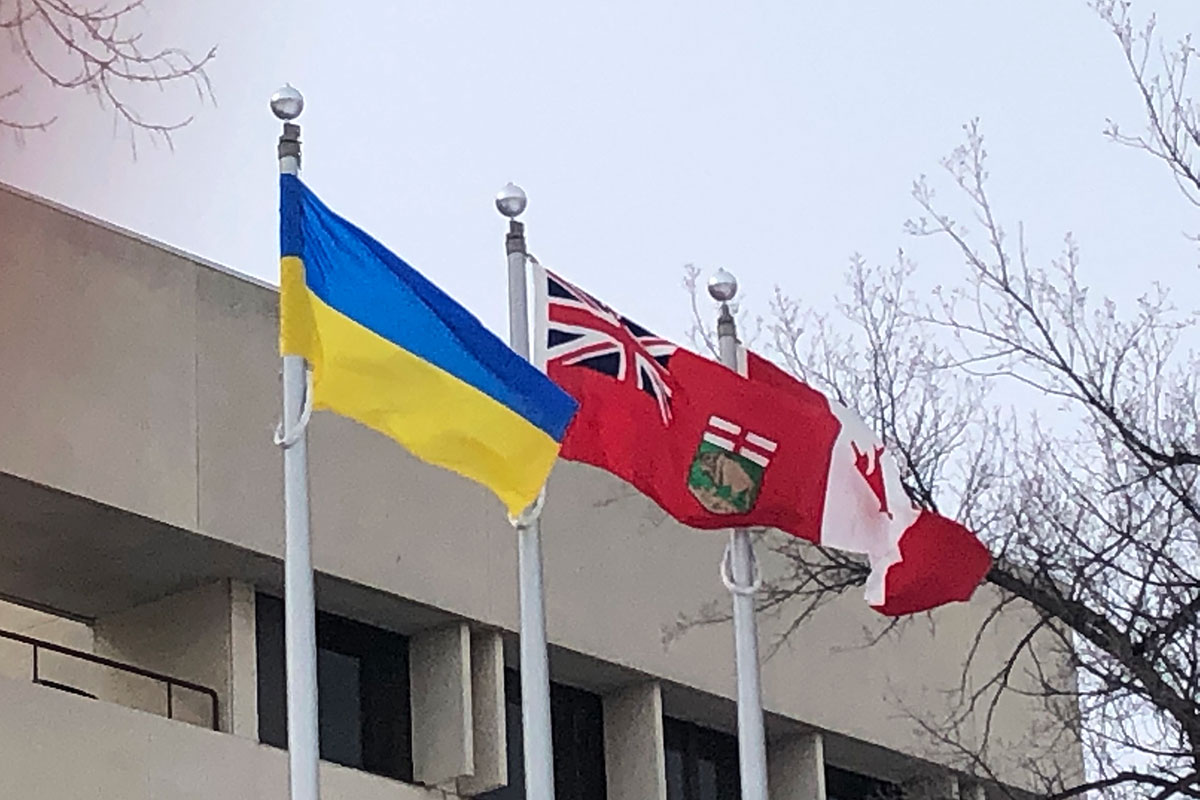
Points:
x=873, y=477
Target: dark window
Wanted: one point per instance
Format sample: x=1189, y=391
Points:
x=339, y=708
x=702, y=764
x=362, y=691
x=577, y=730
x=843, y=785
x=577, y=723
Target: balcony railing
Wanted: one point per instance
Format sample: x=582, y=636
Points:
x=171, y=684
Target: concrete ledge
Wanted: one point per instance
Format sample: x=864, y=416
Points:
x=117, y=753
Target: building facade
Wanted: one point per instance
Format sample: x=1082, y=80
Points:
x=141, y=544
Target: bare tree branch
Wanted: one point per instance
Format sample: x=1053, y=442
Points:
x=73, y=46
x=1065, y=429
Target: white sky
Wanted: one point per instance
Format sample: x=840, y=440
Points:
x=772, y=138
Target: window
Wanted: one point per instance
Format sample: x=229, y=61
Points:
x=577, y=730
x=362, y=691
x=577, y=727
x=702, y=764
x=841, y=784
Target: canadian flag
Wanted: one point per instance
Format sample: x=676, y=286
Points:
x=919, y=559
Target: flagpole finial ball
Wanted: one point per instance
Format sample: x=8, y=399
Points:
x=511, y=200
x=722, y=286
x=287, y=103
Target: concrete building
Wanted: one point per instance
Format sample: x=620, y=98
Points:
x=141, y=539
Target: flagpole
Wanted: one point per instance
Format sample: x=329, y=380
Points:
x=535, y=671
x=739, y=572
x=298, y=596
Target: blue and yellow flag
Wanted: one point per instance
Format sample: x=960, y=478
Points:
x=392, y=351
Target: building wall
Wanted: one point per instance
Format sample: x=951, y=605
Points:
x=98, y=363
x=59, y=747
x=189, y=636
x=1024, y=735
x=150, y=382
x=16, y=659
x=46, y=626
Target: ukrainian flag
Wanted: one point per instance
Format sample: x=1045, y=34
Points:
x=392, y=351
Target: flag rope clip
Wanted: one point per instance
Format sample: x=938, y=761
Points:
x=529, y=515
x=286, y=440
x=727, y=574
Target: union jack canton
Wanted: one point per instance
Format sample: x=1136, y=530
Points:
x=583, y=332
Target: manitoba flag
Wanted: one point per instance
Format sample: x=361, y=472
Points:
x=718, y=449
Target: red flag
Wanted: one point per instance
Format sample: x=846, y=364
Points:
x=715, y=449
x=919, y=559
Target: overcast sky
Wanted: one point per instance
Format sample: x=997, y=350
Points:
x=771, y=138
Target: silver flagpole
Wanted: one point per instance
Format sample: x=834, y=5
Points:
x=739, y=571
x=535, y=671
x=298, y=598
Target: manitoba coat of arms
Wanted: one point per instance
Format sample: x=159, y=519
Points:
x=727, y=471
